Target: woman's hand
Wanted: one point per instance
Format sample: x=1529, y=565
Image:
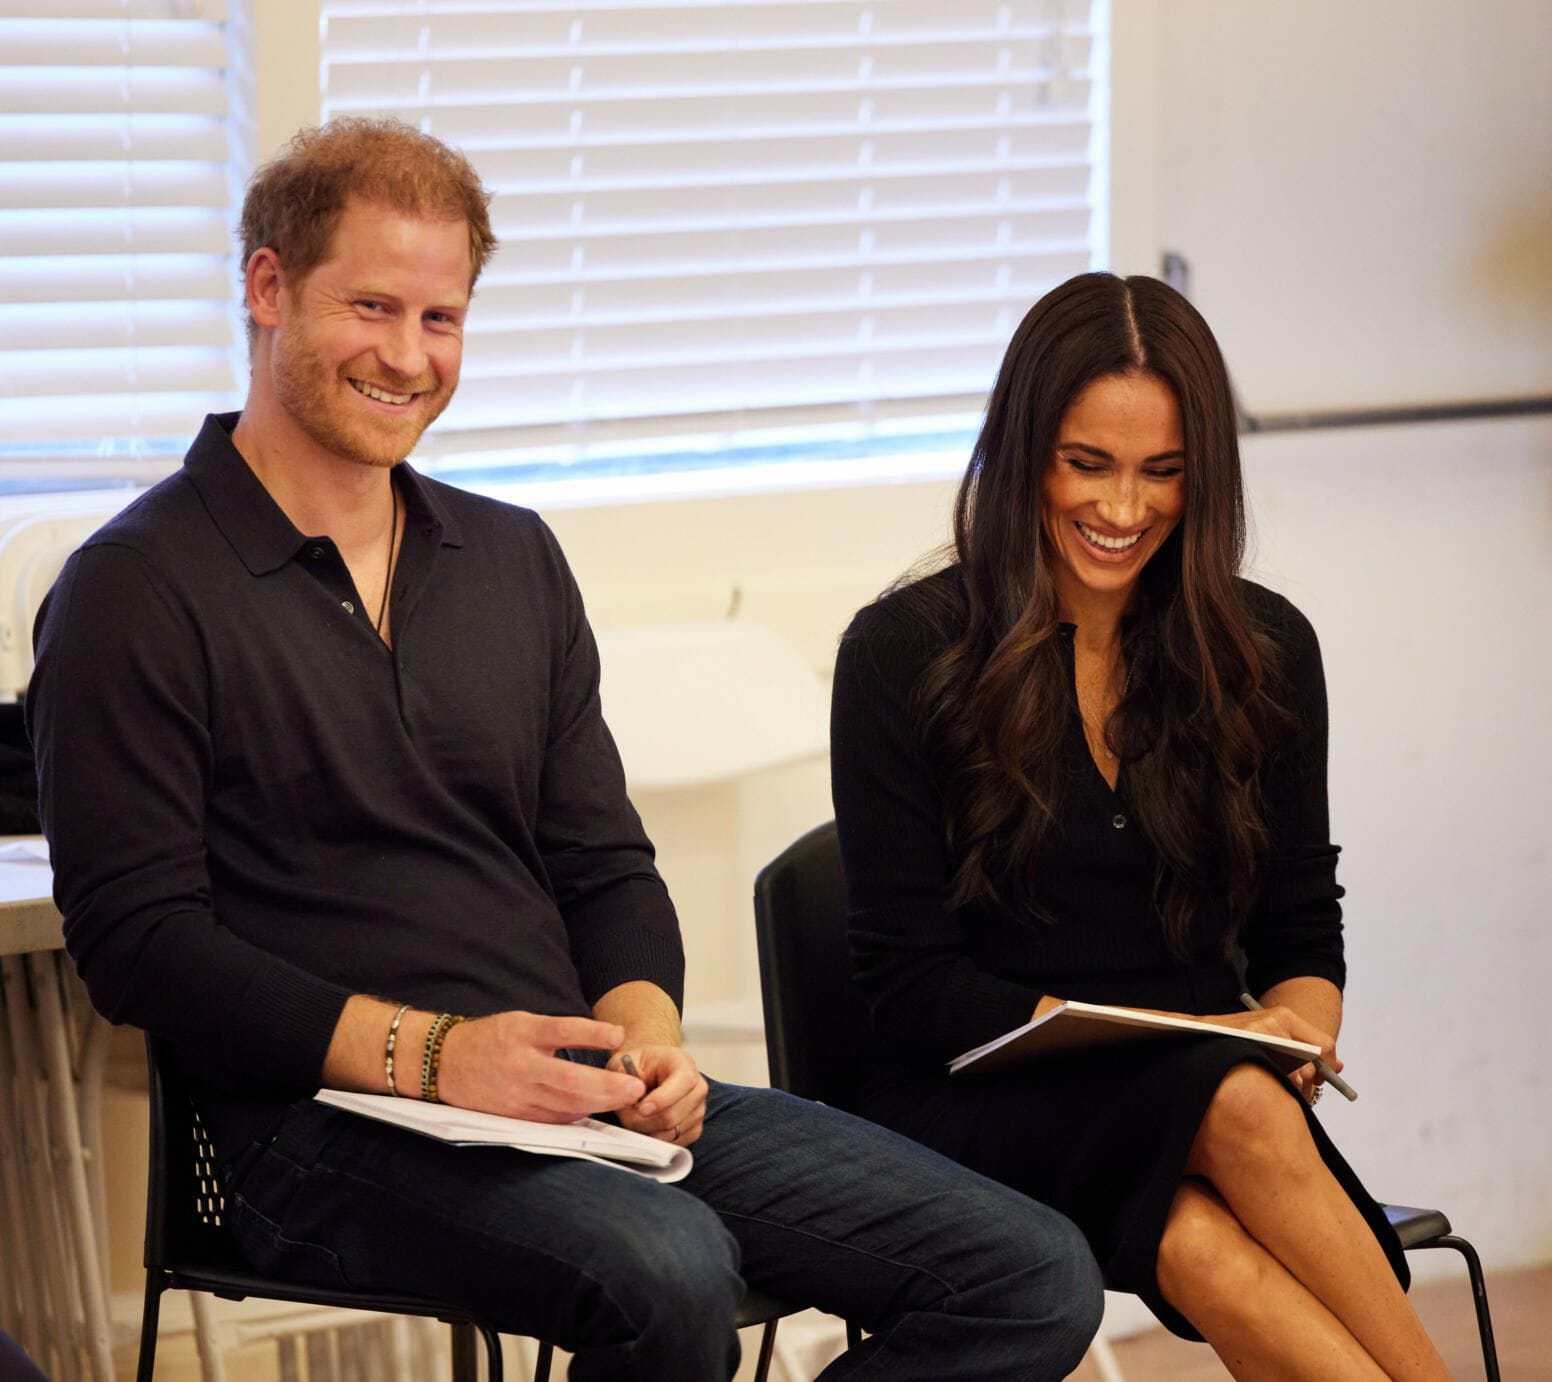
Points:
x=1283, y=1021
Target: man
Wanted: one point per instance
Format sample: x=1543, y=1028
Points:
x=312, y=728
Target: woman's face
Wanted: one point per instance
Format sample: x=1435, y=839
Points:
x=1114, y=487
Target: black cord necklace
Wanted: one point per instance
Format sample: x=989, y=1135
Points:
x=393, y=556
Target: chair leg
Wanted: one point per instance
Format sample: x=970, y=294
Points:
x=493, y=1366
x=1479, y=1298
x=150, y=1319
x=466, y=1358
x=1103, y=1356
x=543, y=1361
x=208, y=1342
x=762, y=1368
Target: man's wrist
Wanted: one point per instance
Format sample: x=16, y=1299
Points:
x=644, y=1012
x=413, y=1033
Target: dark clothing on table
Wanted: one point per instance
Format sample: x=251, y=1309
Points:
x=16, y=1366
x=258, y=809
x=1113, y=1128
x=294, y=812
x=18, y=776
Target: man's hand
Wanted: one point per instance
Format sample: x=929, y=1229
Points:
x=674, y=1107
x=507, y=1064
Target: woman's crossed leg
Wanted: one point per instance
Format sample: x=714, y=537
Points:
x=1264, y=1252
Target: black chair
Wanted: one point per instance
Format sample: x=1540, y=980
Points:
x=188, y=1247
x=818, y=1038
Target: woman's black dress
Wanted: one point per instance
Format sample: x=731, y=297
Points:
x=1102, y=1136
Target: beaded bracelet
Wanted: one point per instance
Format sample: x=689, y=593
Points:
x=443, y=1024
x=393, y=1040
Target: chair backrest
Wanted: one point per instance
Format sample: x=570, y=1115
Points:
x=185, y=1209
x=818, y=1037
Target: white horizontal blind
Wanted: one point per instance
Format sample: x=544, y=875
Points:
x=116, y=282
x=722, y=214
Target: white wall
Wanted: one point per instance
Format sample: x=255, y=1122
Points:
x=1424, y=557
x=1364, y=192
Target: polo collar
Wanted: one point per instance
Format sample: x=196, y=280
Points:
x=256, y=526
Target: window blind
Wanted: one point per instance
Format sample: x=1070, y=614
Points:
x=730, y=215
x=117, y=288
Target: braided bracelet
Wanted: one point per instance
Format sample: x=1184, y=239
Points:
x=393, y=1040
x=443, y=1024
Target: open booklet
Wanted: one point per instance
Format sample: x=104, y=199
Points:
x=1073, y=1026
x=587, y=1138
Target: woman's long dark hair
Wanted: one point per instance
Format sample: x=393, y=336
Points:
x=1193, y=725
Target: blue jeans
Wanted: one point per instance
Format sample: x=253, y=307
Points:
x=952, y=1275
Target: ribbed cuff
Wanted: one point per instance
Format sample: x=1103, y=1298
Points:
x=629, y=955
x=300, y=1012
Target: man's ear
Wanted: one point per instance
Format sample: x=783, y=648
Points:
x=264, y=283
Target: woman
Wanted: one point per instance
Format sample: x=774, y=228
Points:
x=1086, y=761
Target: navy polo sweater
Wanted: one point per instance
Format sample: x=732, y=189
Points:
x=256, y=808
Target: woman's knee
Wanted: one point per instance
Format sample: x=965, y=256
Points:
x=1252, y=1119
x=1207, y=1265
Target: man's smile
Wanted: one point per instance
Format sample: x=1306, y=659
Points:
x=381, y=395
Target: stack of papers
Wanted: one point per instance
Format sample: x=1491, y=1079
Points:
x=587, y=1138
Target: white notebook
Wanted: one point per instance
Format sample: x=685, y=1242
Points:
x=587, y=1138
x=1073, y=1026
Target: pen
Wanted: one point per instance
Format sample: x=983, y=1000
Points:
x=630, y=1065
x=1326, y=1072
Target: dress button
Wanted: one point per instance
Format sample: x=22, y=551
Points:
x=347, y=607
x=1119, y=821
x=316, y=553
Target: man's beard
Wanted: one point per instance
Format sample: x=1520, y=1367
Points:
x=307, y=389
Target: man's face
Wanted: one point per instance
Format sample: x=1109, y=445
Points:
x=370, y=342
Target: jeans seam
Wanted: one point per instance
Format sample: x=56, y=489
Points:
x=281, y=1241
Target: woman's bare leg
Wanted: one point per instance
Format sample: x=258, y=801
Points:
x=1256, y=1150
x=1261, y=1322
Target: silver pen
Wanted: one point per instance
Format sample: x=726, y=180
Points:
x=1326, y=1072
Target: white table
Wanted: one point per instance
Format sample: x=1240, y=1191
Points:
x=53, y=1051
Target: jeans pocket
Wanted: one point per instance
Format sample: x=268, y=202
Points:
x=266, y=1248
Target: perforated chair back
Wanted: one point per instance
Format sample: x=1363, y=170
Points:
x=188, y=1245
x=185, y=1208
x=818, y=1039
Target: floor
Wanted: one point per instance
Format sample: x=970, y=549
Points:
x=1522, y=1322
